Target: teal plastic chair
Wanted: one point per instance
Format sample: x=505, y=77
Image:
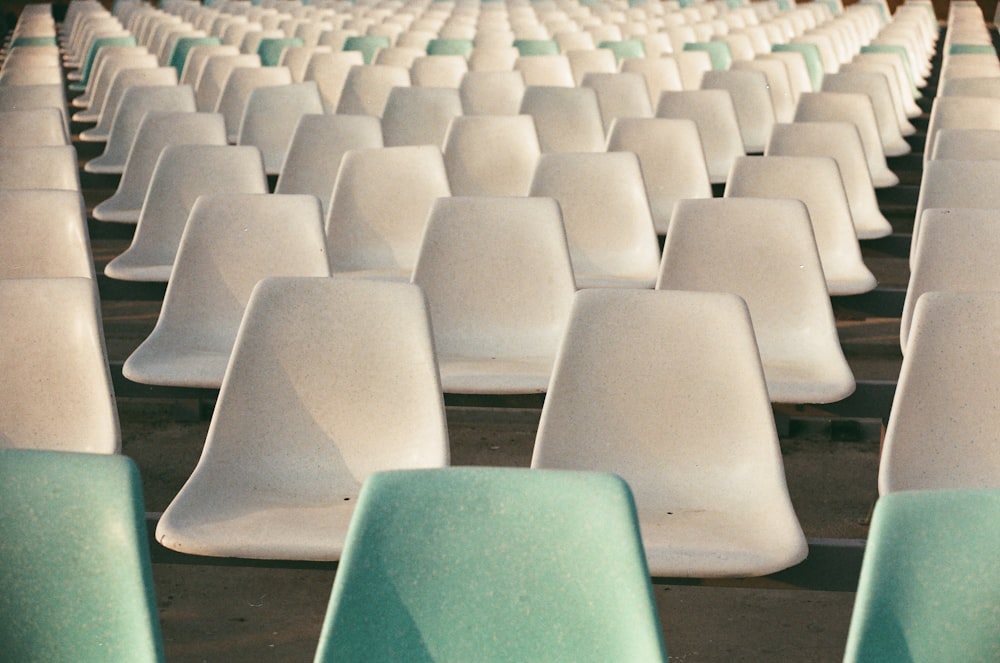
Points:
x=813, y=61
x=449, y=47
x=184, y=46
x=270, y=49
x=929, y=588
x=74, y=561
x=971, y=49
x=368, y=45
x=536, y=46
x=88, y=63
x=492, y=564
x=33, y=41
x=718, y=51
x=626, y=48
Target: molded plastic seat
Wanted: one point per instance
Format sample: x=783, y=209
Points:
x=367, y=45
x=536, y=47
x=857, y=109
x=419, y=115
x=777, y=83
x=214, y=75
x=585, y=61
x=550, y=70
x=876, y=87
x=182, y=48
x=660, y=73
x=366, y=88
x=841, y=141
x=56, y=390
x=45, y=167
x=672, y=161
x=948, y=183
x=609, y=227
x=285, y=458
x=752, y=101
x=942, y=426
x=925, y=593
x=398, y=56
x=123, y=82
x=156, y=131
x=984, y=86
x=270, y=49
x=499, y=281
x=136, y=103
x=271, y=116
x=967, y=144
x=710, y=491
x=498, y=58
x=230, y=242
x=492, y=92
x=77, y=577
x=317, y=147
x=32, y=97
x=439, y=46
x=41, y=127
x=379, y=209
x=439, y=71
x=118, y=58
x=718, y=51
x=31, y=76
x=816, y=181
x=814, y=63
x=297, y=58
x=566, y=119
x=765, y=252
x=529, y=536
x=330, y=71
x=955, y=252
x=619, y=95
x=491, y=155
x=240, y=85
x=903, y=103
x=715, y=114
x=182, y=174
x=961, y=113
x=43, y=234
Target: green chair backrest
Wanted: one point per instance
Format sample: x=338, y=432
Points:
x=882, y=9
x=929, y=588
x=33, y=41
x=626, y=48
x=449, y=47
x=98, y=44
x=901, y=52
x=536, y=46
x=492, y=564
x=971, y=49
x=184, y=46
x=270, y=49
x=74, y=560
x=814, y=62
x=718, y=51
x=369, y=45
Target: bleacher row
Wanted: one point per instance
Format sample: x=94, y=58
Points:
x=639, y=210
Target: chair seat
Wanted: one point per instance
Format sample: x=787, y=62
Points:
x=464, y=375
x=792, y=382
x=163, y=362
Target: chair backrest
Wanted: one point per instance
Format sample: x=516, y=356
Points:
x=124, y=81
x=499, y=280
x=240, y=85
x=439, y=71
x=41, y=127
x=379, y=208
x=419, y=115
x=271, y=49
x=567, y=119
x=552, y=70
x=660, y=73
x=692, y=65
x=491, y=155
x=303, y=418
x=876, y=87
x=45, y=167
x=493, y=58
x=156, y=131
x=718, y=51
x=532, y=535
x=960, y=113
x=722, y=475
x=672, y=161
x=57, y=389
x=816, y=181
x=715, y=115
x=841, y=141
x=271, y=116
x=136, y=103
x=979, y=86
x=182, y=174
x=230, y=242
x=214, y=75
x=492, y=92
x=925, y=592
x=619, y=95
x=330, y=71
x=100, y=83
x=366, y=88
x=585, y=61
x=297, y=58
x=368, y=45
x=719, y=245
x=43, y=233
x=77, y=577
x=967, y=144
x=33, y=97
x=609, y=227
x=752, y=101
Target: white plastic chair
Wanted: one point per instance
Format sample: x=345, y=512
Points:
x=123, y=82
x=672, y=160
x=439, y=71
x=45, y=167
x=620, y=95
x=942, y=425
x=841, y=141
x=157, y=131
x=876, y=87
x=379, y=209
x=566, y=119
x=367, y=87
x=56, y=390
x=967, y=144
x=609, y=227
x=779, y=85
x=330, y=70
x=230, y=242
x=43, y=234
x=42, y=127
x=499, y=282
x=330, y=380
x=182, y=174
x=661, y=73
x=419, y=115
x=593, y=60
x=710, y=491
x=214, y=75
x=492, y=92
x=714, y=113
x=961, y=113
x=270, y=117
x=549, y=70
x=33, y=97
x=765, y=252
x=752, y=101
x=241, y=83
x=491, y=155
x=816, y=181
x=92, y=100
